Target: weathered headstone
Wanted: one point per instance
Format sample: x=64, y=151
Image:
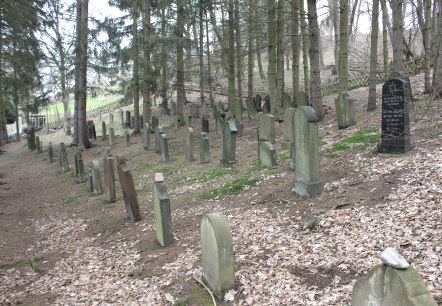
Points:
x=307, y=180
x=158, y=131
x=128, y=120
x=237, y=109
x=99, y=115
x=31, y=141
x=219, y=124
x=50, y=153
x=176, y=122
x=91, y=129
x=103, y=130
x=111, y=118
x=217, y=254
x=162, y=215
x=302, y=99
x=258, y=100
x=129, y=192
x=251, y=108
x=77, y=156
x=111, y=136
x=194, y=111
x=229, y=143
x=266, y=108
x=64, y=158
x=396, y=136
x=205, y=124
x=155, y=123
x=267, y=128
x=188, y=120
x=286, y=101
x=38, y=144
x=95, y=177
x=164, y=148
x=146, y=136
x=204, y=148
x=345, y=111
x=82, y=177
x=188, y=144
x=266, y=154
x=288, y=131
x=126, y=138
x=109, y=179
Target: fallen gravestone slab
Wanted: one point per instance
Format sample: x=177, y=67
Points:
x=129, y=193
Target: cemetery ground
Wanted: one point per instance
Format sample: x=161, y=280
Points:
x=61, y=244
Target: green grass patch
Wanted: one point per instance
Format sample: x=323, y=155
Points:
x=212, y=174
x=284, y=154
x=359, y=141
x=200, y=296
x=71, y=200
x=229, y=188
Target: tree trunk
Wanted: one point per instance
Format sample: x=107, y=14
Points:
x=315, y=74
x=295, y=49
x=250, y=54
x=209, y=65
x=164, y=75
x=3, y=129
x=231, y=56
x=334, y=19
x=271, y=69
x=279, y=55
x=371, y=105
x=305, y=47
x=398, y=37
x=180, y=90
x=427, y=46
x=201, y=52
x=147, y=97
x=343, y=46
x=385, y=38
x=437, y=72
x=136, y=79
x=239, y=59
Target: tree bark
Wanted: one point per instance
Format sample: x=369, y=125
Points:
x=147, y=97
x=239, y=59
x=371, y=105
x=295, y=49
x=271, y=70
x=201, y=53
x=180, y=90
x=305, y=46
x=231, y=55
x=437, y=72
x=343, y=46
x=209, y=65
x=279, y=55
x=397, y=41
x=385, y=38
x=136, y=79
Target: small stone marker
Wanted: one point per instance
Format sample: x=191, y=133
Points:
x=267, y=128
x=103, y=130
x=31, y=141
x=164, y=148
x=126, y=138
x=266, y=108
x=385, y=285
x=288, y=132
x=194, y=111
x=132, y=121
x=267, y=155
x=251, y=108
x=109, y=179
x=217, y=254
x=396, y=104
x=307, y=180
x=64, y=158
x=302, y=99
x=204, y=148
x=345, y=111
x=205, y=124
x=128, y=122
x=95, y=177
x=229, y=144
x=50, y=153
x=146, y=136
x=158, y=131
x=188, y=144
x=91, y=130
x=111, y=136
x=129, y=193
x=111, y=118
x=162, y=215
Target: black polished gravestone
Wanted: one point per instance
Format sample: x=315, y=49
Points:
x=395, y=117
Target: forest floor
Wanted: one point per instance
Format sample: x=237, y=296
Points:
x=62, y=245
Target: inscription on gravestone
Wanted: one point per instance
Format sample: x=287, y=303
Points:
x=395, y=118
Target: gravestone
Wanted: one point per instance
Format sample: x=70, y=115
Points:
x=307, y=180
x=162, y=215
x=103, y=130
x=111, y=136
x=109, y=179
x=122, y=118
x=82, y=177
x=146, y=136
x=176, y=123
x=155, y=123
x=205, y=124
x=68, y=127
x=188, y=120
x=38, y=144
x=126, y=138
x=229, y=144
x=129, y=193
x=267, y=128
x=128, y=119
x=205, y=110
x=286, y=101
x=194, y=111
x=132, y=121
x=158, y=131
x=204, y=148
x=111, y=118
x=95, y=184
x=217, y=254
x=91, y=130
x=50, y=153
x=251, y=109
x=31, y=140
x=266, y=154
x=164, y=148
x=106, y=153
x=288, y=130
x=258, y=100
x=77, y=156
x=219, y=124
x=302, y=99
x=237, y=109
x=188, y=144
x=345, y=111
x=266, y=108
x=396, y=136
x=64, y=158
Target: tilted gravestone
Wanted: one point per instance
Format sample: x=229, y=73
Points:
x=50, y=153
x=286, y=101
x=109, y=179
x=205, y=124
x=146, y=136
x=302, y=99
x=188, y=144
x=111, y=136
x=267, y=128
x=237, y=109
x=122, y=118
x=396, y=136
x=103, y=130
x=128, y=120
x=345, y=111
x=307, y=180
x=31, y=140
x=64, y=158
x=126, y=138
x=162, y=215
x=258, y=100
x=204, y=148
x=194, y=111
x=158, y=131
x=266, y=154
x=164, y=148
x=111, y=118
x=95, y=183
x=129, y=192
x=217, y=254
x=251, y=108
x=266, y=108
x=229, y=143
x=288, y=132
